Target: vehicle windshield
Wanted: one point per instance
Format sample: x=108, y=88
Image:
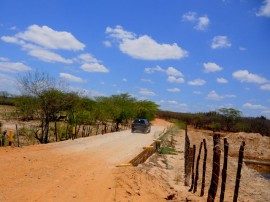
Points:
x=139, y=121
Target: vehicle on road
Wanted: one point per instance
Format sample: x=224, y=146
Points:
x=142, y=125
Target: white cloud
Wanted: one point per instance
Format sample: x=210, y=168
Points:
x=173, y=90
x=119, y=33
x=146, y=92
x=11, y=39
x=202, y=22
x=8, y=84
x=245, y=76
x=14, y=67
x=87, y=57
x=190, y=16
x=173, y=72
x=124, y=80
x=144, y=47
x=94, y=67
x=71, y=78
x=40, y=41
x=46, y=37
x=3, y=59
x=197, y=82
x=150, y=70
x=173, y=102
x=265, y=87
x=211, y=67
x=48, y=56
x=265, y=9
x=173, y=79
x=253, y=106
x=173, y=105
x=220, y=42
x=214, y=96
x=222, y=80
x=107, y=43
x=242, y=49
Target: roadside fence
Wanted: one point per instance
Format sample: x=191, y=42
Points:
x=192, y=168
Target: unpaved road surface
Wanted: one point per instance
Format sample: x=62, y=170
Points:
x=75, y=170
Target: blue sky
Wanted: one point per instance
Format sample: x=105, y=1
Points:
x=185, y=55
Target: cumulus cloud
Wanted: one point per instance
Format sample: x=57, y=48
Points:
x=150, y=70
x=219, y=42
x=14, y=67
x=222, y=80
x=201, y=22
x=144, y=47
x=71, y=78
x=87, y=57
x=173, y=90
x=146, y=92
x=171, y=71
x=214, y=96
x=173, y=79
x=189, y=16
x=94, y=67
x=265, y=9
x=197, y=82
x=46, y=37
x=41, y=41
x=211, y=67
x=253, y=106
x=48, y=56
x=245, y=76
x=174, y=75
x=90, y=63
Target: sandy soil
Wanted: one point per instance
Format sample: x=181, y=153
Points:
x=85, y=170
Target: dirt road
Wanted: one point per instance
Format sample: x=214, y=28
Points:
x=79, y=170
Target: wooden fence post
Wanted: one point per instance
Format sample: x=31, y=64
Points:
x=187, y=154
x=192, y=176
x=204, y=167
x=17, y=133
x=238, y=175
x=215, y=169
x=197, y=169
x=10, y=138
x=224, y=170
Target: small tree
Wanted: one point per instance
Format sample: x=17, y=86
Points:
x=231, y=116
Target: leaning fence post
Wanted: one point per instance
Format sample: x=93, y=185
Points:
x=238, y=175
x=192, y=176
x=17, y=133
x=197, y=169
x=187, y=153
x=204, y=167
x=224, y=170
x=215, y=169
